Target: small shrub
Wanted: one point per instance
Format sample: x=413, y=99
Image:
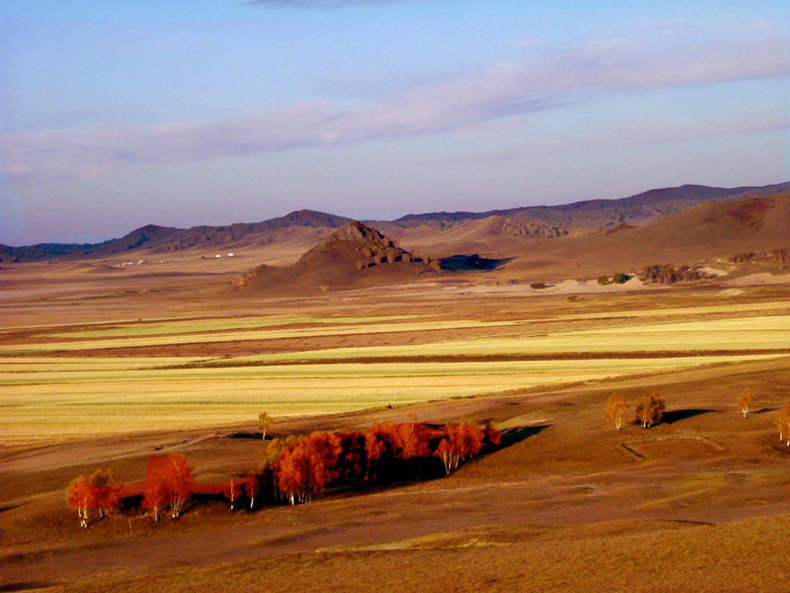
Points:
x=620, y=278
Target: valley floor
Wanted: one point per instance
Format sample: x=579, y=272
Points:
x=99, y=377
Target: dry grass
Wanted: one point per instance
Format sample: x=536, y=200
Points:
x=696, y=503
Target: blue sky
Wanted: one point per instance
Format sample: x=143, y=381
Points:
x=117, y=114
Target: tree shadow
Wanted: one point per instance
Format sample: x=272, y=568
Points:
x=512, y=436
x=24, y=586
x=764, y=411
x=677, y=415
x=465, y=263
x=246, y=435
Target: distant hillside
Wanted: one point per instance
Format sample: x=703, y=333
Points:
x=713, y=230
x=157, y=239
x=353, y=256
x=455, y=231
x=637, y=210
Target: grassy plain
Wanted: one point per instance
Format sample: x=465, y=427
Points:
x=51, y=399
x=95, y=374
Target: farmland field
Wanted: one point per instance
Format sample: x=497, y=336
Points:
x=133, y=376
x=64, y=383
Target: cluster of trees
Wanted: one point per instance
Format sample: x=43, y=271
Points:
x=649, y=410
x=302, y=467
x=669, y=274
x=97, y=491
x=169, y=483
x=780, y=255
x=295, y=469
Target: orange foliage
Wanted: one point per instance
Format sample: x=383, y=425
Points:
x=297, y=468
x=92, y=492
x=168, y=481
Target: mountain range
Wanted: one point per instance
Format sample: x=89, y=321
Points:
x=441, y=232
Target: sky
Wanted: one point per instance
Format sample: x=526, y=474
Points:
x=118, y=114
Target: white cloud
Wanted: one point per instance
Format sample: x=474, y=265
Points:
x=505, y=89
x=635, y=134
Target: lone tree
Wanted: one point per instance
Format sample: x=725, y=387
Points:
x=264, y=422
x=782, y=421
x=649, y=410
x=615, y=410
x=744, y=401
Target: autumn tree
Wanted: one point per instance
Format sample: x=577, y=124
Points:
x=782, y=421
x=744, y=401
x=252, y=485
x=650, y=410
x=460, y=442
x=232, y=491
x=79, y=496
x=376, y=447
x=168, y=482
x=616, y=408
x=264, y=422
x=155, y=493
x=291, y=473
x=97, y=491
x=179, y=484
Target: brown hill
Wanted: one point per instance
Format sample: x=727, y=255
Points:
x=637, y=210
x=708, y=231
x=527, y=222
x=354, y=256
x=157, y=239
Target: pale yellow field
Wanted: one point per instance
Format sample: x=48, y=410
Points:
x=48, y=398
x=765, y=332
x=261, y=334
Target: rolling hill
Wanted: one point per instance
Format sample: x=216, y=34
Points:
x=713, y=230
x=637, y=210
x=354, y=256
x=305, y=227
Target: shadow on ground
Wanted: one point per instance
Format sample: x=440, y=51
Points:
x=516, y=435
x=677, y=415
x=465, y=263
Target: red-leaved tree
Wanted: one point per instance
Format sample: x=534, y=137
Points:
x=96, y=491
x=168, y=482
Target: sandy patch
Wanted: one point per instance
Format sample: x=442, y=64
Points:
x=730, y=292
x=763, y=278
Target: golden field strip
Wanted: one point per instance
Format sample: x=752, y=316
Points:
x=224, y=336
x=54, y=398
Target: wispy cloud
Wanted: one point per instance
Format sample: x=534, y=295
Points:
x=504, y=90
x=636, y=134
